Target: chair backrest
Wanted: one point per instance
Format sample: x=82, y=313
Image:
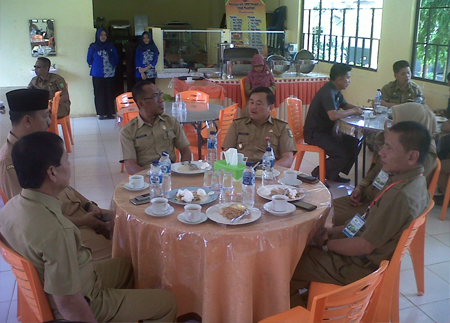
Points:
x=273, y=113
x=347, y=303
x=29, y=285
x=124, y=100
x=295, y=118
x=54, y=111
x=194, y=96
x=390, y=284
x=226, y=118
x=243, y=96
x=434, y=179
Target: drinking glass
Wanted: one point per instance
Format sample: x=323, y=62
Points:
x=215, y=181
x=227, y=188
x=207, y=177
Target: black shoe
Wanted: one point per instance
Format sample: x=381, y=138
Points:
x=110, y=116
x=315, y=172
x=102, y=117
x=340, y=179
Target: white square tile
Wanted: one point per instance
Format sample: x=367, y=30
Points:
x=436, y=289
x=406, y=262
x=4, y=310
x=97, y=194
x=93, y=181
x=435, y=251
x=4, y=266
x=442, y=270
x=12, y=315
x=414, y=314
x=444, y=238
x=7, y=281
x=438, y=311
x=404, y=302
x=436, y=226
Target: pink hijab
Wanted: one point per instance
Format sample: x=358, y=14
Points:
x=255, y=79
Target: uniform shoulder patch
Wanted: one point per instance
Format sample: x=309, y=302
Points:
x=62, y=85
x=10, y=167
x=289, y=132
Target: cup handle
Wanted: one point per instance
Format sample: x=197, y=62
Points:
x=130, y=184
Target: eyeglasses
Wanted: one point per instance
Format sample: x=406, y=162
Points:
x=155, y=96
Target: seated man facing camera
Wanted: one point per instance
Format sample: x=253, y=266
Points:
x=33, y=225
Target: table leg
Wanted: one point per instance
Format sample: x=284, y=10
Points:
x=200, y=139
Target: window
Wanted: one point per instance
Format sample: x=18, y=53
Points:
x=431, y=49
x=343, y=31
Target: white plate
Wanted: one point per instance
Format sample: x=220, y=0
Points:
x=184, y=169
x=148, y=211
x=181, y=217
x=297, y=182
x=270, y=187
x=441, y=119
x=275, y=173
x=204, y=200
x=289, y=210
x=213, y=213
x=127, y=187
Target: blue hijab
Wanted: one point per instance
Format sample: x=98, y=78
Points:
x=151, y=45
x=106, y=45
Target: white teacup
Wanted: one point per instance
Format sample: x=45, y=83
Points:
x=279, y=203
x=290, y=177
x=136, y=181
x=159, y=205
x=189, y=79
x=192, y=212
x=241, y=158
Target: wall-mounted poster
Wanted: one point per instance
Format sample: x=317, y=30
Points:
x=247, y=16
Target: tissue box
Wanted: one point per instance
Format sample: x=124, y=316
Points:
x=236, y=170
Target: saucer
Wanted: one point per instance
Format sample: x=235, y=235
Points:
x=290, y=208
x=127, y=187
x=181, y=218
x=297, y=182
x=149, y=211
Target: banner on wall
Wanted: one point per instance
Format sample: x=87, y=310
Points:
x=247, y=16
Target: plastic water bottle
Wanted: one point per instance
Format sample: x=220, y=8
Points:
x=212, y=148
x=268, y=161
x=377, y=100
x=165, y=164
x=155, y=179
x=248, y=185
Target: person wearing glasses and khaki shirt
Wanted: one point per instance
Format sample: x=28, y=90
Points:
x=145, y=137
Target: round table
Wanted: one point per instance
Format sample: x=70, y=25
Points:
x=224, y=273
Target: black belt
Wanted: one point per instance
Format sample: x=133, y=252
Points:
x=367, y=263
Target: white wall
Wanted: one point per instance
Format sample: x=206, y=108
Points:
x=397, y=33
x=74, y=31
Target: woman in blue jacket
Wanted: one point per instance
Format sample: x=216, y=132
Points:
x=102, y=58
x=146, y=58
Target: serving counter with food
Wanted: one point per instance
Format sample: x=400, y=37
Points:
x=234, y=262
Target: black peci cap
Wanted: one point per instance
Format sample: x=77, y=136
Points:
x=28, y=100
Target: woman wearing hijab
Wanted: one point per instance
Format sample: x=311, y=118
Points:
x=102, y=58
x=146, y=58
x=260, y=75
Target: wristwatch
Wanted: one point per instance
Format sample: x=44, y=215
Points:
x=88, y=205
x=324, y=246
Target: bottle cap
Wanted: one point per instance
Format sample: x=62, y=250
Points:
x=165, y=153
x=212, y=132
x=155, y=162
x=249, y=164
x=268, y=149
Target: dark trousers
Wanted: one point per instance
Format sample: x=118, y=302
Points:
x=342, y=151
x=104, y=95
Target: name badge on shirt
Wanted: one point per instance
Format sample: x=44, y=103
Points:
x=141, y=136
x=353, y=226
x=381, y=179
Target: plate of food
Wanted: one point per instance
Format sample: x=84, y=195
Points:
x=190, y=168
x=259, y=171
x=192, y=195
x=441, y=119
x=293, y=193
x=225, y=213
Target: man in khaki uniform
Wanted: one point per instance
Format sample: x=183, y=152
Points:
x=248, y=134
x=402, y=89
x=340, y=258
x=33, y=225
x=29, y=113
x=145, y=137
x=52, y=83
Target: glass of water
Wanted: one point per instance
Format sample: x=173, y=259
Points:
x=207, y=177
x=216, y=181
x=227, y=188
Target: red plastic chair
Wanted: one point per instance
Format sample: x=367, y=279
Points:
x=226, y=118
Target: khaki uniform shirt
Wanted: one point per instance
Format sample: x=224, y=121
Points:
x=145, y=142
x=249, y=138
x=392, y=93
x=53, y=83
x=9, y=183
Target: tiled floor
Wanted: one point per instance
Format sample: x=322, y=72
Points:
x=96, y=171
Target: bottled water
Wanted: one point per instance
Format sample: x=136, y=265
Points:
x=377, y=100
x=212, y=148
x=248, y=185
x=165, y=165
x=268, y=161
x=155, y=179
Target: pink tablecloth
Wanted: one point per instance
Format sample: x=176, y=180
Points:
x=223, y=273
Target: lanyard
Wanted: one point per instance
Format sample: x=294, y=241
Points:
x=378, y=197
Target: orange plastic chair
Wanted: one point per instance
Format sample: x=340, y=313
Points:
x=243, y=96
x=194, y=96
x=54, y=126
x=387, y=307
x=66, y=127
x=4, y=198
x=446, y=201
x=226, y=118
x=344, y=304
x=37, y=38
x=273, y=113
x=34, y=306
x=124, y=100
x=295, y=120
